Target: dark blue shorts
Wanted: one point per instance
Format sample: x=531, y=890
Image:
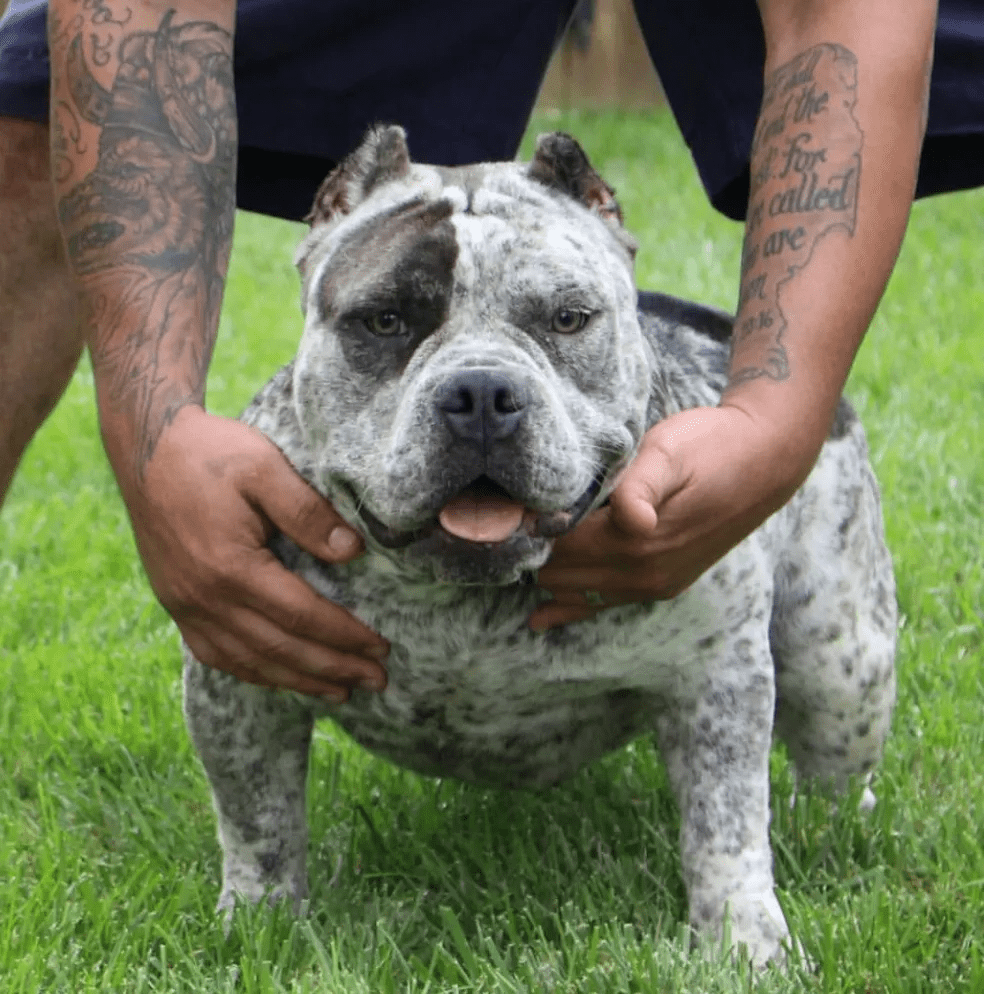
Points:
x=462, y=78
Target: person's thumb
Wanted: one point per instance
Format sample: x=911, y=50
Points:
x=645, y=485
x=651, y=479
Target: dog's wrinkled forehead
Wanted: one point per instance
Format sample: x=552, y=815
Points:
x=381, y=220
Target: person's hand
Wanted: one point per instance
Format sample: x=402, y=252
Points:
x=702, y=481
x=211, y=496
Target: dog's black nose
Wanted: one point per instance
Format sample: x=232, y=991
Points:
x=482, y=405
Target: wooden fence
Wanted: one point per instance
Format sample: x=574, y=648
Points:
x=614, y=70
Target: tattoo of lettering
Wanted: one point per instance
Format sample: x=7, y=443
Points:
x=148, y=231
x=100, y=14
x=805, y=181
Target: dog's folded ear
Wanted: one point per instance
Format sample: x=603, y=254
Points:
x=561, y=164
x=381, y=157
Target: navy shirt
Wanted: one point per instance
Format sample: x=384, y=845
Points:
x=462, y=78
x=709, y=55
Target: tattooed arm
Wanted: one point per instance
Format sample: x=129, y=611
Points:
x=834, y=166
x=143, y=131
x=144, y=141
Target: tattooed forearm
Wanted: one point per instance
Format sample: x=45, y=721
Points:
x=148, y=229
x=805, y=179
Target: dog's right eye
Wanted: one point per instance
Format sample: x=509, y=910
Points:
x=385, y=323
x=567, y=320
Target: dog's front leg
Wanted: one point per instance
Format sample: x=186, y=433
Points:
x=717, y=755
x=254, y=746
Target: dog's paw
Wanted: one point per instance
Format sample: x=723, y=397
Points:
x=275, y=897
x=752, y=926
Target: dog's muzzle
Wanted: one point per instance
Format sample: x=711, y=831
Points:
x=484, y=410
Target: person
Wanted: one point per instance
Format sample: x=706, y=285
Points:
x=807, y=116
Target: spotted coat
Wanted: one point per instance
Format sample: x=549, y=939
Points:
x=414, y=277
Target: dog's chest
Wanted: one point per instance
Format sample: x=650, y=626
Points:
x=475, y=694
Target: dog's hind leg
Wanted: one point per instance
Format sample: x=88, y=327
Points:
x=254, y=746
x=835, y=699
x=834, y=627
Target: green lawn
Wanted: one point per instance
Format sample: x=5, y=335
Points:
x=110, y=868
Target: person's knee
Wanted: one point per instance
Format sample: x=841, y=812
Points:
x=37, y=293
x=27, y=205
x=24, y=157
x=41, y=337
x=30, y=241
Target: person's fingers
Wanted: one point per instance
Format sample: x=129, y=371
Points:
x=302, y=514
x=581, y=593
x=293, y=606
x=222, y=652
x=202, y=517
x=274, y=647
x=594, y=542
x=258, y=651
x=573, y=551
x=604, y=578
x=613, y=533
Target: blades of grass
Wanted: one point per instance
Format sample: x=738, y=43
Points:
x=461, y=945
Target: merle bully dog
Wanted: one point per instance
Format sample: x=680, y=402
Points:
x=474, y=373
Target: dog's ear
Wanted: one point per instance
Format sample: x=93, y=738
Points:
x=381, y=157
x=561, y=164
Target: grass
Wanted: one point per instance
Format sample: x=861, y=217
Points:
x=110, y=867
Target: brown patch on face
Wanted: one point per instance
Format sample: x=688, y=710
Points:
x=401, y=261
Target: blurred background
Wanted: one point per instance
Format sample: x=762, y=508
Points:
x=602, y=62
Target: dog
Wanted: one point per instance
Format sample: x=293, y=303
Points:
x=476, y=369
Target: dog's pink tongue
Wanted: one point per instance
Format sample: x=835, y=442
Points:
x=481, y=518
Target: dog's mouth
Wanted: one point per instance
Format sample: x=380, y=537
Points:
x=484, y=513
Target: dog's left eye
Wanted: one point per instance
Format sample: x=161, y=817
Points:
x=385, y=323
x=568, y=320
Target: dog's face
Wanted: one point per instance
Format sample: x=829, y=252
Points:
x=472, y=376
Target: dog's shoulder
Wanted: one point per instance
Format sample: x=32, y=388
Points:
x=710, y=322
x=688, y=345
x=272, y=412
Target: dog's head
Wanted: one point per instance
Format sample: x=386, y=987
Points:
x=472, y=377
